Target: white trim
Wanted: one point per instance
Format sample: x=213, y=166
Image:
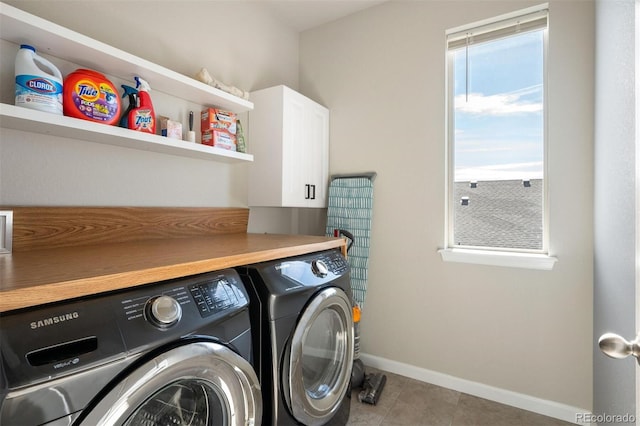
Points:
x=499, y=258
x=502, y=396
x=637, y=183
x=545, y=202
x=449, y=148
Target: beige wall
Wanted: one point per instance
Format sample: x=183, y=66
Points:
x=381, y=73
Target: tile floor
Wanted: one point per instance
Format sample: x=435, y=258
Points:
x=406, y=401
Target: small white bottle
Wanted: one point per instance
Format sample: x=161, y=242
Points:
x=38, y=82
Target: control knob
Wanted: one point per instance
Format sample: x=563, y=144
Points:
x=163, y=311
x=319, y=268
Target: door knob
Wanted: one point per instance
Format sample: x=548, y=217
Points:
x=618, y=347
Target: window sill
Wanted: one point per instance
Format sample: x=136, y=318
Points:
x=499, y=258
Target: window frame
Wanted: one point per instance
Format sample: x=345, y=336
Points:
x=497, y=256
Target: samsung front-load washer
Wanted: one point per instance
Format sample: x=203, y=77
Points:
x=302, y=323
x=172, y=353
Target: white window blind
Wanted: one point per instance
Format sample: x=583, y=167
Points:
x=508, y=26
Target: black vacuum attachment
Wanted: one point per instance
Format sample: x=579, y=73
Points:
x=372, y=388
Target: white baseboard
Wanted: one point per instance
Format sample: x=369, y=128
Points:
x=503, y=396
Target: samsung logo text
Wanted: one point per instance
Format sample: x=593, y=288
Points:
x=54, y=320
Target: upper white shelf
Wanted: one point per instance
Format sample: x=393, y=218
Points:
x=28, y=120
x=19, y=27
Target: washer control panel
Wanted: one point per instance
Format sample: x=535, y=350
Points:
x=215, y=296
x=161, y=307
x=160, y=311
x=163, y=311
x=58, y=339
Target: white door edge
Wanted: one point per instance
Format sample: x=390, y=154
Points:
x=637, y=184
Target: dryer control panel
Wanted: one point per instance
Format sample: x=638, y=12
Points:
x=315, y=269
x=335, y=262
x=301, y=272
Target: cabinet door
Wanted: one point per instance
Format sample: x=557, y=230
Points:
x=295, y=161
x=265, y=131
x=317, y=135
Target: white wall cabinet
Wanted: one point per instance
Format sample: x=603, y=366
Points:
x=289, y=138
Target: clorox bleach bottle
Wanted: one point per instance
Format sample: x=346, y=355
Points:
x=38, y=82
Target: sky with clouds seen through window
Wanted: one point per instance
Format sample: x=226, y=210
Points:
x=499, y=128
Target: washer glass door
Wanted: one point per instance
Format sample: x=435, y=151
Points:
x=199, y=383
x=185, y=402
x=321, y=358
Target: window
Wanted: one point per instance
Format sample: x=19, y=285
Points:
x=496, y=134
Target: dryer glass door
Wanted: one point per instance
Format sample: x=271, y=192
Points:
x=321, y=358
x=199, y=383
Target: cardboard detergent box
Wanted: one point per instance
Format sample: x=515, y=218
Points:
x=213, y=118
x=219, y=139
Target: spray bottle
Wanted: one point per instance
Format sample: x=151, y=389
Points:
x=132, y=94
x=143, y=118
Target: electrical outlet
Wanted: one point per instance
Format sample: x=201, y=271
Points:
x=6, y=231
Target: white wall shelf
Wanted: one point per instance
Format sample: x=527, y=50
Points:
x=17, y=26
x=18, y=118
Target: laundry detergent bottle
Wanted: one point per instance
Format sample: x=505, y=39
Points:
x=89, y=95
x=38, y=82
x=143, y=118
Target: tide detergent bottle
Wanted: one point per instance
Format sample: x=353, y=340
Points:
x=143, y=118
x=89, y=95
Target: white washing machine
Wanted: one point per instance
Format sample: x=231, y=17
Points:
x=175, y=352
x=302, y=323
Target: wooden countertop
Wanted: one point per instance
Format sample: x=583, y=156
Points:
x=35, y=277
